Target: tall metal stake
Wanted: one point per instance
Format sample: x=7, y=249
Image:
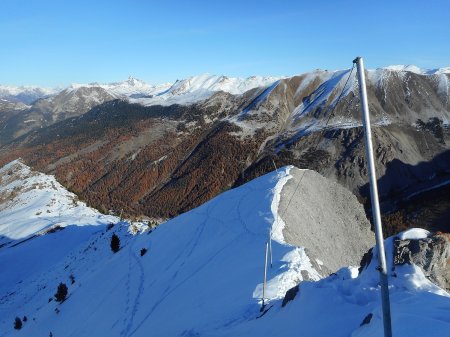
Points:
x=386, y=306
x=265, y=277
x=270, y=247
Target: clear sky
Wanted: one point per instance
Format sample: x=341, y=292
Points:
x=57, y=42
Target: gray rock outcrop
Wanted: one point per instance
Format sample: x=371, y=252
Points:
x=431, y=254
x=326, y=219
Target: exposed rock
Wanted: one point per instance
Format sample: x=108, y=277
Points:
x=367, y=319
x=290, y=295
x=431, y=254
x=365, y=261
x=311, y=206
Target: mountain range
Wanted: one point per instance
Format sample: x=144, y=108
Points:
x=161, y=150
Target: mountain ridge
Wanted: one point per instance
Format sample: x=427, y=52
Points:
x=143, y=87
x=179, y=156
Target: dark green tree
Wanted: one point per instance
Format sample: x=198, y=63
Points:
x=61, y=292
x=17, y=323
x=115, y=243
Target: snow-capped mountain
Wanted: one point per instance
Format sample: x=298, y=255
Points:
x=187, y=91
x=201, y=274
x=25, y=94
x=201, y=87
x=72, y=102
x=417, y=70
x=131, y=88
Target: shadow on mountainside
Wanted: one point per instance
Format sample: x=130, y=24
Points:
x=30, y=255
x=420, y=191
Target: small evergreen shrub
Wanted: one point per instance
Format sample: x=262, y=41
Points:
x=115, y=243
x=17, y=323
x=61, y=292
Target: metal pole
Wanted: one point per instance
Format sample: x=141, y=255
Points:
x=270, y=246
x=385, y=302
x=265, y=277
x=274, y=165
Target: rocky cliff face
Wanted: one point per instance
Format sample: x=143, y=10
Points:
x=311, y=205
x=431, y=254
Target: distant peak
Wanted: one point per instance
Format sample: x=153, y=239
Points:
x=134, y=81
x=414, y=69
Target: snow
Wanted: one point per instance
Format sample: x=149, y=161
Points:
x=417, y=70
x=414, y=234
x=219, y=246
x=278, y=223
x=35, y=202
x=187, y=91
x=201, y=87
x=130, y=88
x=301, y=119
x=201, y=276
x=25, y=94
x=11, y=90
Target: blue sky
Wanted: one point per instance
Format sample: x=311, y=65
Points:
x=57, y=42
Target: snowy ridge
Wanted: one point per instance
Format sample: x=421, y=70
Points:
x=219, y=246
x=132, y=87
x=278, y=223
x=201, y=275
x=32, y=203
x=201, y=87
x=417, y=70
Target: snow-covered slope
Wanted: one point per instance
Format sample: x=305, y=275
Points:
x=208, y=260
x=32, y=203
x=201, y=274
x=347, y=303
